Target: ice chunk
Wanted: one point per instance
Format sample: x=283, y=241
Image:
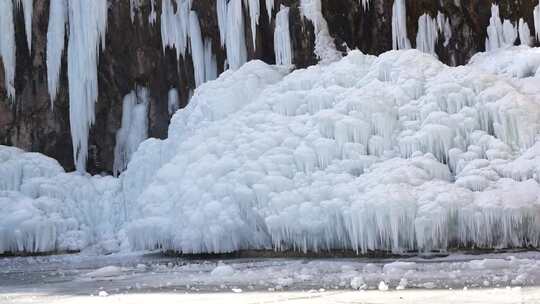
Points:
x=325, y=49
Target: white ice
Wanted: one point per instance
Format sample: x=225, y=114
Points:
x=282, y=38
x=399, y=26
x=56, y=34
x=395, y=153
x=7, y=45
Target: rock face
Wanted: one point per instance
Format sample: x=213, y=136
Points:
x=134, y=56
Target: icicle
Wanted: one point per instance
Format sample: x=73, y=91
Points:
x=173, y=101
x=282, y=38
x=153, y=15
x=221, y=8
x=444, y=27
x=254, y=13
x=134, y=6
x=325, y=49
x=55, y=44
x=28, y=7
x=7, y=45
x=536, y=14
x=174, y=26
x=197, y=48
x=210, y=61
x=399, y=26
x=500, y=34
x=270, y=9
x=427, y=34
x=134, y=129
x=236, y=43
x=524, y=32
x=87, y=27
x=365, y=4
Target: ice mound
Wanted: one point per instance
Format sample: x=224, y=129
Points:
x=398, y=152
x=44, y=209
x=395, y=153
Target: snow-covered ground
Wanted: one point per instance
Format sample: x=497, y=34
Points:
x=128, y=278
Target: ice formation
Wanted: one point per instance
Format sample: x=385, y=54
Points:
x=269, y=8
x=399, y=26
x=28, y=9
x=56, y=34
x=427, y=35
x=87, y=27
x=173, y=101
x=7, y=45
x=282, y=37
x=254, y=14
x=524, y=32
x=536, y=15
x=175, y=25
x=325, y=49
x=221, y=8
x=500, y=33
x=443, y=23
x=365, y=4
x=153, y=14
x=134, y=129
x=197, y=48
x=398, y=152
x=134, y=6
x=235, y=38
x=210, y=61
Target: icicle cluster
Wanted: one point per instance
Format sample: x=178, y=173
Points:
x=134, y=129
x=254, y=14
x=87, y=27
x=429, y=30
x=500, y=33
x=282, y=38
x=536, y=16
x=7, y=45
x=399, y=26
x=235, y=39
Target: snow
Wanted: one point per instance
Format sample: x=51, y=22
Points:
x=55, y=45
x=235, y=38
x=7, y=45
x=282, y=38
x=325, y=49
x=87, y=27
x=399, y=26
x=500, y=34
x=394, y=153
x=222, y=271
x=134, y=129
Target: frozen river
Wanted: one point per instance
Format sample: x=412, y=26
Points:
x=137, y=278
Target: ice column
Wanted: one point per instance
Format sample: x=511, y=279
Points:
x=282, y=38
x=134, y=128
x=87, y=27
x=399, y=26
x=55, y=44
x=7, y=45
